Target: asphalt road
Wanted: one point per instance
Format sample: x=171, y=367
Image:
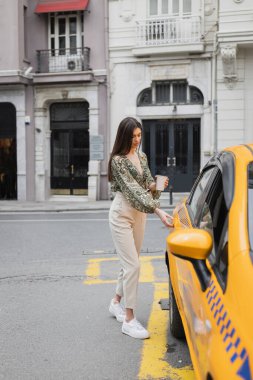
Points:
x=57, y=276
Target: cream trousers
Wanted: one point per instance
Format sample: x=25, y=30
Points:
x=127, y=227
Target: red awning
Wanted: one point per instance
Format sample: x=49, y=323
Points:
x=47, y=6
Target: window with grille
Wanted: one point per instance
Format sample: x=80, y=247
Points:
x=170, y=92
x=179, y=92
x=162, y=92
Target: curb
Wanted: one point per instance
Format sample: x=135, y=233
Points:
x=62, y=209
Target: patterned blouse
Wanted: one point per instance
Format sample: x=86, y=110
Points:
x=133, y=185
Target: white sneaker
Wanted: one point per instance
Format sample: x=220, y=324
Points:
x=117, y=310
x=135, y=329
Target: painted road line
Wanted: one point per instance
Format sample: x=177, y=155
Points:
x=153, y=362
x=93, y=271
x=146, y=271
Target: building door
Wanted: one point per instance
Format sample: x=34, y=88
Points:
x=69, y=148
x=8, y=155
x=173, y=149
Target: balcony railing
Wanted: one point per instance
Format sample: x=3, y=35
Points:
x=168, y=31
x=63, y=60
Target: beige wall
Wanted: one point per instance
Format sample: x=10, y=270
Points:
x=20, y=38
x=9, y=35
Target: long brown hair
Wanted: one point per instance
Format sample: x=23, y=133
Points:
x=123, y=140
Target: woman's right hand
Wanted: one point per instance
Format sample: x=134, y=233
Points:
x=164, y=217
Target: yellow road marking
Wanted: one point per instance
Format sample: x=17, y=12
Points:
x=147, y=271
x=142, y=258
x=153, y=364
x=93, y=270
x=101, y=259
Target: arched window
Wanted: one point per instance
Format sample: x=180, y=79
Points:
x=196, y=96
x=145, y=97
x=170, y=92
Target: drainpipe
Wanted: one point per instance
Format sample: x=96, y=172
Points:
x=214, y=145
x=107, y=83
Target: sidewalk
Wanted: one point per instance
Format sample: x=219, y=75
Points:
x=68, y=204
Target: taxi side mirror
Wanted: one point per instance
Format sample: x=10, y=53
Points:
x=194, y=245
x=190, y=243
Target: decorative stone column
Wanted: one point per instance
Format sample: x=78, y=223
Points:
x=47, y=163
x=93, y=180
x=21, y=155
x=94, y=165
x=40, y=183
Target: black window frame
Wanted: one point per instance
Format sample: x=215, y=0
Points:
x=211, y=189
x=195, y=218
x=223, y=166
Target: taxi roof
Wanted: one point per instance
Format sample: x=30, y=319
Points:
x=243, y=151
x=225, y=160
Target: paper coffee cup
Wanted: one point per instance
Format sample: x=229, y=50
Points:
x=160, y=182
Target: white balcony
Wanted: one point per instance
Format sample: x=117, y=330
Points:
x=168, y=35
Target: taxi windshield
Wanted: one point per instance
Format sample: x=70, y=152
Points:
x=250, y=204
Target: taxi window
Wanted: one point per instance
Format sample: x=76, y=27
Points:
x=214, y=219
x=196, y=201
x=250, y=204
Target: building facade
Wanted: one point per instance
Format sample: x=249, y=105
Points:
x=53, y=99
x=234, y=73
x=183, y=68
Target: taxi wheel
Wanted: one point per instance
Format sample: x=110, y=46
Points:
x=176, y=326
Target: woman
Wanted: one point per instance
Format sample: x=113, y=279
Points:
x=136, y=196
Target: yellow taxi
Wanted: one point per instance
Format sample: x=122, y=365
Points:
x=210, y=262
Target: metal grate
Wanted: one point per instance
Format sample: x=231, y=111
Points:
x=179, y=92
x=183, y=217
x=162, y=92
x=63, y=60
